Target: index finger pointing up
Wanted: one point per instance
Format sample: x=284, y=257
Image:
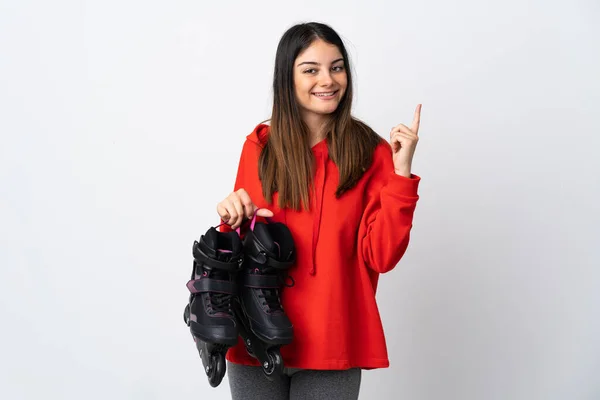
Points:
x=417, y=120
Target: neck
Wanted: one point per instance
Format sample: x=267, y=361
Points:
x=316, y=125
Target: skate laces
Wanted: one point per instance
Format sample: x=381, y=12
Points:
x=272, y=296
x=220, y=302
x=271, y=299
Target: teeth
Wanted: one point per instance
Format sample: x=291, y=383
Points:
x=324, y=94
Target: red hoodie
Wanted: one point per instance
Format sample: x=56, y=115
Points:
x=342, y=247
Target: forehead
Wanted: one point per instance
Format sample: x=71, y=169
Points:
x=320, y=51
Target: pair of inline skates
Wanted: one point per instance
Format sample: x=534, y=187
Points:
x=235, y=289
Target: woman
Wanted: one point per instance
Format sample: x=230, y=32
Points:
x=348, y=198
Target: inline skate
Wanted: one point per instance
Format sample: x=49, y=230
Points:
x=209, y=314
x=269, y=252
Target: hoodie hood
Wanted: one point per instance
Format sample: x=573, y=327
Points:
x=260, y=135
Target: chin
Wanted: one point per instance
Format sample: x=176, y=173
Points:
x=329, y=112
x=325, y=110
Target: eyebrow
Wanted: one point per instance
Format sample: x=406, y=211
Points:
x=316, y=63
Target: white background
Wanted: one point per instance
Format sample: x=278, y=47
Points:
x=121, y=126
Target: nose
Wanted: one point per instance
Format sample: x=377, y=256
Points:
x=326, y=79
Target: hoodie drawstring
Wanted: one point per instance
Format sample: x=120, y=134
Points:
x=321, y=157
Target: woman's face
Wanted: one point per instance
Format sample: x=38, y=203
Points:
x=320, y=79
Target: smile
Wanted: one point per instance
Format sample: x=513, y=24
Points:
x=325, y=95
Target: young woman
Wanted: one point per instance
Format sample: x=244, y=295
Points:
x=347, y=197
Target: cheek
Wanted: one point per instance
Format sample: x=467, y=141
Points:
x=300, y=95
x=303, y=89
x=343, y=81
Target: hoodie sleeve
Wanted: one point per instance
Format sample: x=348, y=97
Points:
x=387, y=220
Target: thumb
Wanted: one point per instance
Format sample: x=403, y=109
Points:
x=263, y=212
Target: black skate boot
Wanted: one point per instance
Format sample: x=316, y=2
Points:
x=268, y=252
x=217, y=259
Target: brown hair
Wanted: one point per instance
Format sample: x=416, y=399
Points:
x=286, y=161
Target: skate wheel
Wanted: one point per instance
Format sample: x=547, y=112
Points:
x=186, y=315
x=217, y=369
x=248, y=344
x=274, y=367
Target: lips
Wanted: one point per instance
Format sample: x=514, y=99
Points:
x=325, y=94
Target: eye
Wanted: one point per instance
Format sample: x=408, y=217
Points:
x=310, y=71
x=338, y=68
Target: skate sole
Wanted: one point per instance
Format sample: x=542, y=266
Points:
x=208, y=336
x=271, y=341
x=248, y=324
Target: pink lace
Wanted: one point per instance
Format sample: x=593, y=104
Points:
x=252, y=223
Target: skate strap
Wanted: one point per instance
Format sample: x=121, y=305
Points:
x=231, y=266
x=211, y=285
x=261, y=281
x=271, y=262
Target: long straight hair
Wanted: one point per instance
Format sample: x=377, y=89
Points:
x=286, y=161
